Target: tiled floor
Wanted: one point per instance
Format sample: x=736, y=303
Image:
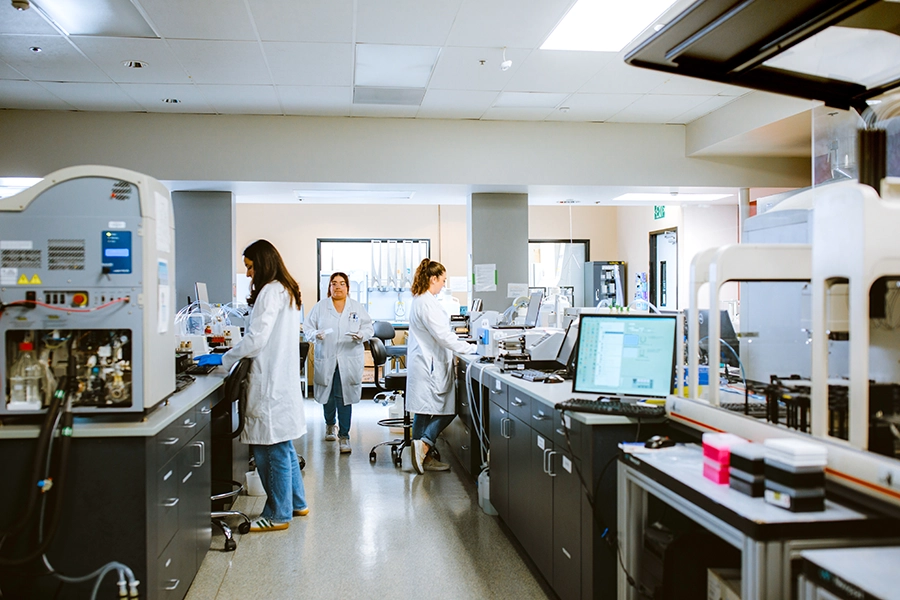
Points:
x=374, y=531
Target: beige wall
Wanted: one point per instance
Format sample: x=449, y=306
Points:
x=594, y=223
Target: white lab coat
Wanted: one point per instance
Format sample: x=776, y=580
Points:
x=274, y=411
x=339, y=349
x=429, y=375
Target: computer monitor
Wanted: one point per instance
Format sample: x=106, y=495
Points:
x=726, y=334
x=476, y=305
x=534, y=309
x=625, y=355
x=202, y=296
x=567, y=348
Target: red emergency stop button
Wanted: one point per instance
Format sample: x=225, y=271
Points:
x=79, y=299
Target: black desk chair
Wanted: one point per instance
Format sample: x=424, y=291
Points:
x=235, y=393
x=391, y=388
x=304, y=380
x=395, y=352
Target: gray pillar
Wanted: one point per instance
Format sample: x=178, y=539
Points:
x=204, y=245
x=498, y=234
x=744, y=211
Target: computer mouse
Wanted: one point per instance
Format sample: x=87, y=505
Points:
x=659, y=441
x=553, y=378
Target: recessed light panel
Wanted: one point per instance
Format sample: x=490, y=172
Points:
x=604, y=25
x=394, y=66
x=109, y=18
x=662, y=198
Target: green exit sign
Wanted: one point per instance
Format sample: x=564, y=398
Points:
x=659, y=212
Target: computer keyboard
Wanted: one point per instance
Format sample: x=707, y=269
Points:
x=200, y=369
x=613, y=407
x=529, y=374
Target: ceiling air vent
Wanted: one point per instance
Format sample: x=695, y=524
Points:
x=386, y=95
x=65, y=255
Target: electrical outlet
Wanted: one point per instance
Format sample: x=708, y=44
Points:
x=889, y=476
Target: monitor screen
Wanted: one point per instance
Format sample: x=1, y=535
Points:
x=534, y=308
x=568, y=345
x=625, y=355
x=476, y=305
x=202, y=296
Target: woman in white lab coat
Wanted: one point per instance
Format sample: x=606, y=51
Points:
x=338, y=325
x=429, y=378
x=274, y=415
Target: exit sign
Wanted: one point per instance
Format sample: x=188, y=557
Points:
x=659, y=212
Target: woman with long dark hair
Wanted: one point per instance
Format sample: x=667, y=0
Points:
x=429, y=378
x=274, y=416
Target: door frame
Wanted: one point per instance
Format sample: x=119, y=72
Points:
x=652, y=272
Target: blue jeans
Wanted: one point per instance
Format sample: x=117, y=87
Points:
x=336, y=404
x=279, y=472
x=428, y=427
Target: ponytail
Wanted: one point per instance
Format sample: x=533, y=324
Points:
x=424, y=272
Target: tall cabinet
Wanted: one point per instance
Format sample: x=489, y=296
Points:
x=604, y=280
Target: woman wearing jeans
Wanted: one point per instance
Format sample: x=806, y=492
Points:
x=274, y=416
x=429, y=378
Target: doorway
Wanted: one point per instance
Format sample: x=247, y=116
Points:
x=664, y=269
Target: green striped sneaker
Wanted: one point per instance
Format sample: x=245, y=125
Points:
x=267, y=525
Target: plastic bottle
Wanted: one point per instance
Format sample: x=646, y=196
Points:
x=25, y=379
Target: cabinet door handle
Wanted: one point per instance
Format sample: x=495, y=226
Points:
x=550, y=456
x=189, y=424
x=546, y=468
x=202, y=447
x=505, y=433
x=170, y=441
x=517, y=402
x=186, y=477
x=205, y=410
x=540, y=416
x=561, y=431
x=172, y=584
x=170, y=502
x=463, y=448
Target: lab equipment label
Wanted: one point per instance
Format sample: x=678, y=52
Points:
x=116, y=247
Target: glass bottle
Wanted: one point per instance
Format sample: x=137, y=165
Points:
x=25, y=378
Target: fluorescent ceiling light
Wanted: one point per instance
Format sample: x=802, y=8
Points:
x=864, y=56
x=109, y=18
x=394, y=66
x=10, y=186
x=344, y=195
x=528, y=100
x=604, y=25
x=662, y=198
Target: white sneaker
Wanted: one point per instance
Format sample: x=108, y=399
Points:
x=417, y=452
x=330, y=433
x=345, y=446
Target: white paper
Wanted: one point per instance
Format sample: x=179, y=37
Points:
x=16, y=245
x=9, y=276
x=514, y=290
x=163, y=313
x=458, y=283
x=163, y=235
x=486, y=278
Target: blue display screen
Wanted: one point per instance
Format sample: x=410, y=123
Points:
x=116, y=247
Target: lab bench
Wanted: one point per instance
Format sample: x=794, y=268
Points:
x=850, y=573
x=136, y=492
x=769, y=538
x=538, y=460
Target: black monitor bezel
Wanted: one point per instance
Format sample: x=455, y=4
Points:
x=583, y=316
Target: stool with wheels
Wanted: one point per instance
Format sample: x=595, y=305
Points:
x=391, y=387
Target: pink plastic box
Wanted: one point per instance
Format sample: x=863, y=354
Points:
x=717, y=447
x=715, y=472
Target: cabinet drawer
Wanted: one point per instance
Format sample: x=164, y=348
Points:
x=167, y=502
x=172, y=577
x=170, y=440
x=497, y=390
x=203, y=411
x=520, y=405
x=542, y=418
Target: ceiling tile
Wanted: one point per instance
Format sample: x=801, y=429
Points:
x=222, y=63
x=29, y=96
x=382, y=110
x=200, y=19
x=151, y=96
x=242, y=99
x=110, y=53
x=92, y=96
x=657, y=109
x=455, y=104
x=619, y=78
x=690, y=86
x=461, y=68
x=512, y=23
x=294, y=63
x=23, y=21
x=308, y=100
x=592, y=107
x=57, y=61
x=556, y=71
x=292, y=21
x=712, y=104
x=7, y=72
x=516, y=114
x=408, y=22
